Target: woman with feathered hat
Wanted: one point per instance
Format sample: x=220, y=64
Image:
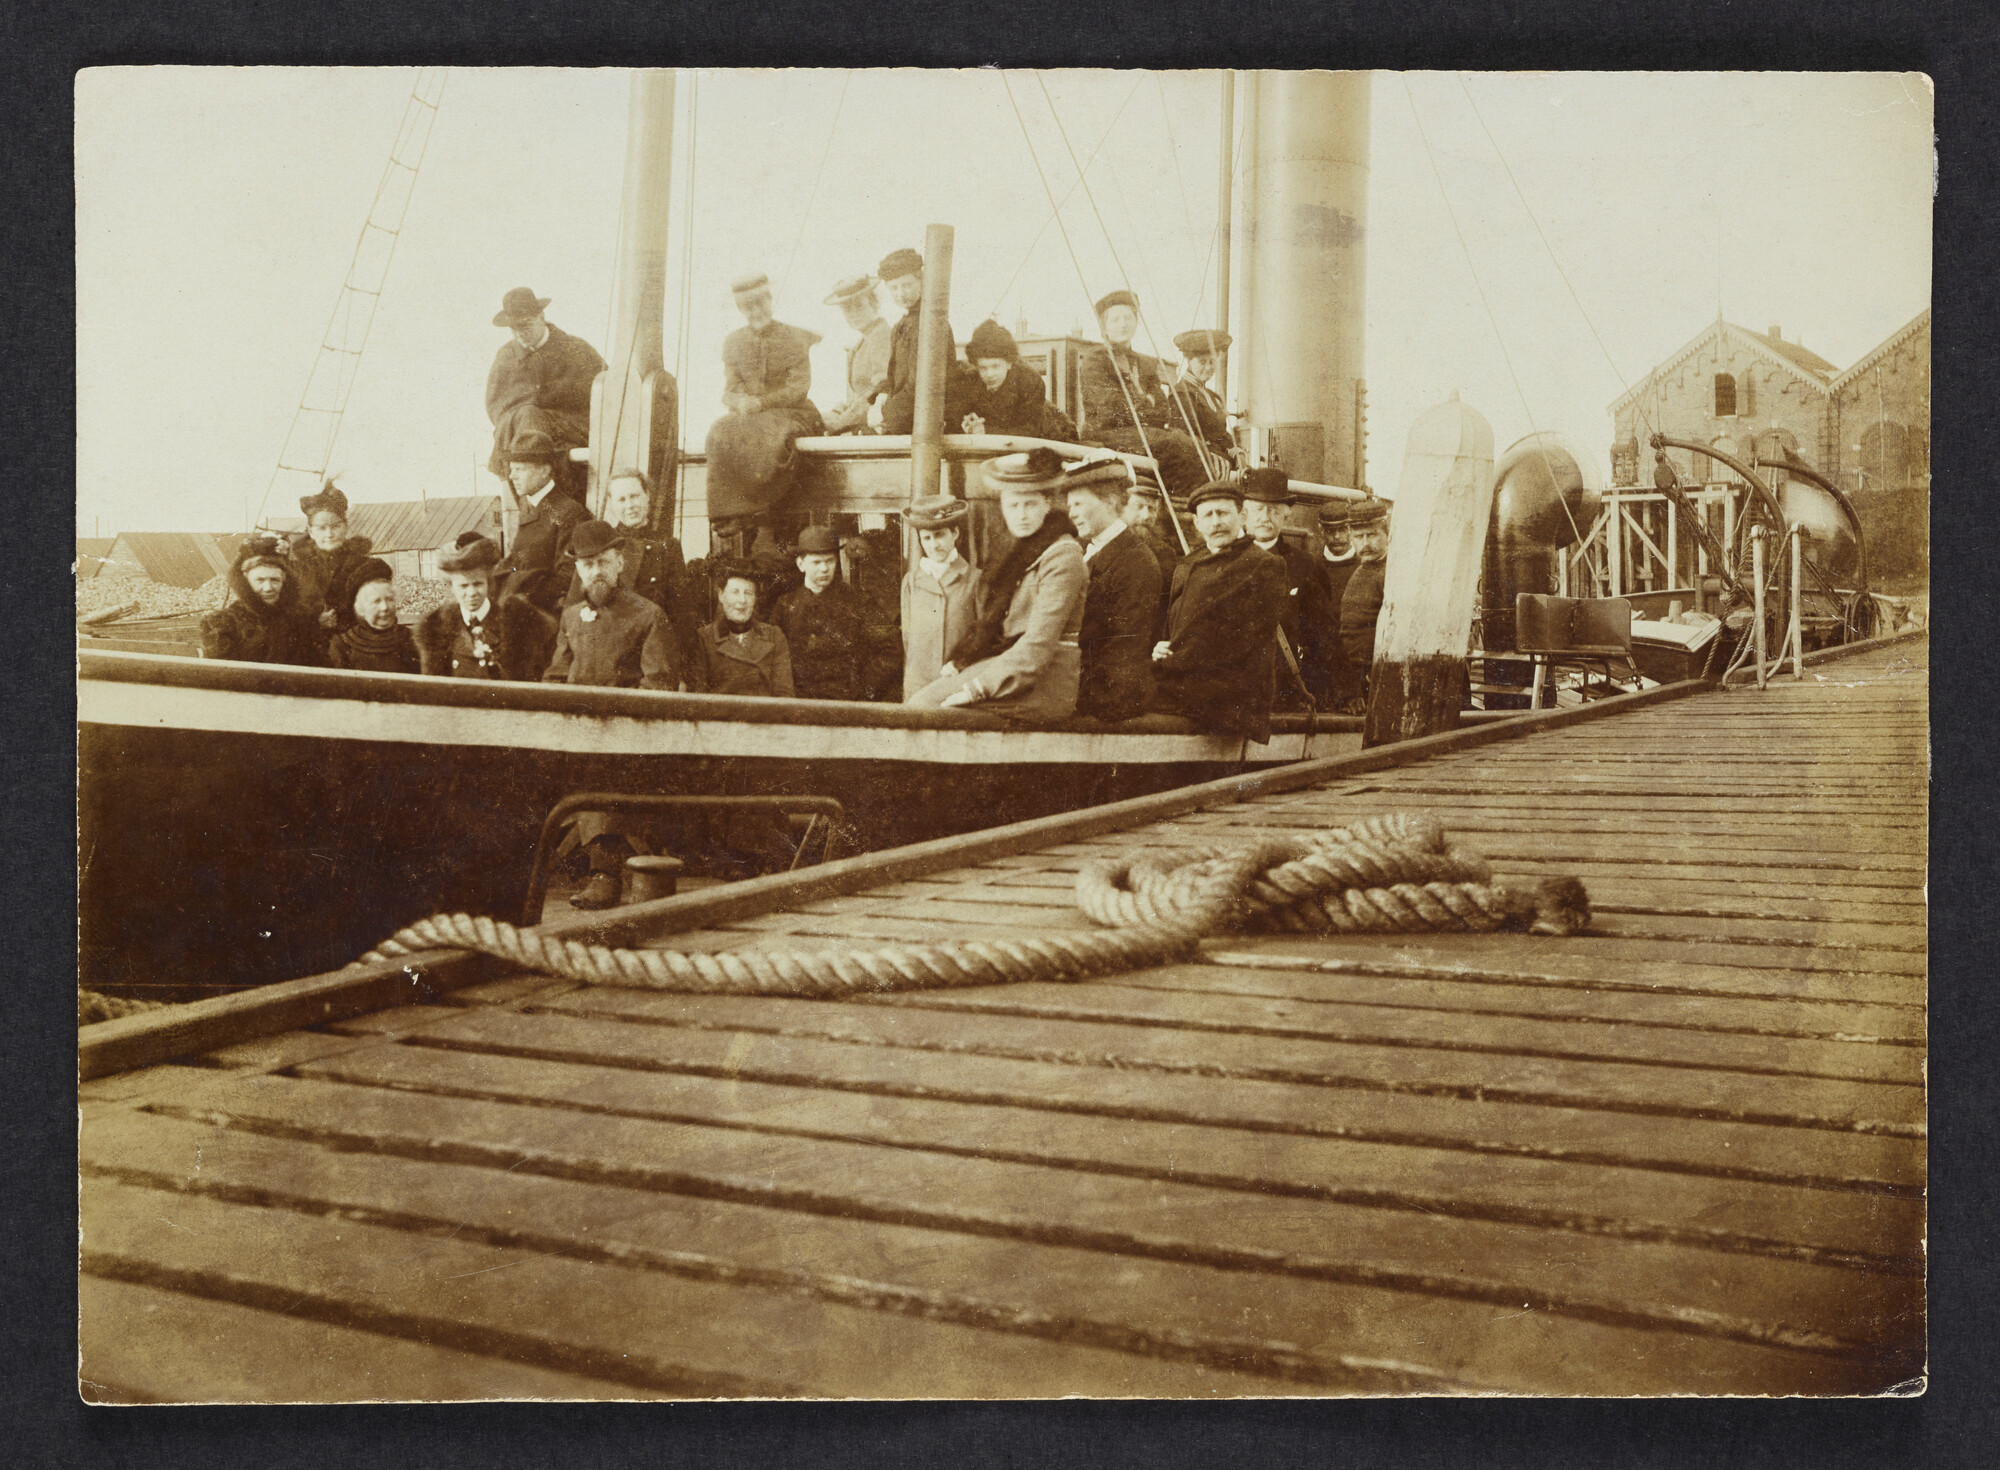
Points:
x=263, y=623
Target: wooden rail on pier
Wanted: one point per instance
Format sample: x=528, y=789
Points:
x=1681, y=1154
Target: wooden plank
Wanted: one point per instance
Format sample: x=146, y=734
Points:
x=1676, y=1091
x=141, y=1345
x=1749, y=1298
x=649, y=1328
x=1337, y=1336
x=1735, y=1215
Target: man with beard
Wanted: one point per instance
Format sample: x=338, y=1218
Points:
x=1217, y=665
x=821, y=621
x=263, y=622
x=655, y=567
x=1310, y=624
x=540, y=379
x=618, y=639
x=1361, y=599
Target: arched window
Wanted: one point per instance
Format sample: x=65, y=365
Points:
x=1725, y=396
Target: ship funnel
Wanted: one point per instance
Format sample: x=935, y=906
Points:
x=1545, y=499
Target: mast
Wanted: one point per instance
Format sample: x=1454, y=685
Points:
x=1305, y=216
x=935, y=350
x=1224, y=220
x=632, y=406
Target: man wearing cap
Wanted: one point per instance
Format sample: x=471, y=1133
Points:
x=1217, y=666
x=821, y=621
x=1121, y=606
x=540, y=367
x=902, y=273
x=1201, y=352
x=767, y=373
x=482, y=633
x=1125, y=401
x=1337, y=562
x=937, y=593
x=1361, y=599
x=263, y=622
x=547, y=517
x=867, y=359
x=1310, y=623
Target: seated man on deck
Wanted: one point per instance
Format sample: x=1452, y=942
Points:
x=1337, y=562
x=482, y=633
x=547, y=516
x=902, y=272
x=1201, y=352
x=1310, y=622
x=1125, y=402
x=1121, y=605
x=821, y=621
x=867, y=359
x=1361, y=599
x=767, y=374
x=654, y=565
x=543, y=369
x=1217, y=666
x=1010, y=398
x=263, y=623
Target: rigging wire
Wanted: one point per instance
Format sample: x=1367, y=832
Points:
x=686, y=305
x=1173, y=148
x=1201, y=449
x=825, y=153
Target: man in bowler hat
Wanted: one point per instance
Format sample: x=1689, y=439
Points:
x=822, y=623
x=541, y=379
x=1311, y=624
x=547, y=517
x=1217, y=666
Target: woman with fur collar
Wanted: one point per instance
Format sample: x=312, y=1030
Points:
x=483, y=633
x=263, y=622
x=324, y=556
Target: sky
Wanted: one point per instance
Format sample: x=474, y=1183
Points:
x=1535, y=241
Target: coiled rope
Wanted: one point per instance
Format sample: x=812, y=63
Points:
x=1386, y=875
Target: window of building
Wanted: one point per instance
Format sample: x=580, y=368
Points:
x=1725, y=396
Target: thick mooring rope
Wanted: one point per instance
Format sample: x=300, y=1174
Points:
x=1386, y=875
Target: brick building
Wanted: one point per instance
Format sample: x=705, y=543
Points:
x=1752, y=393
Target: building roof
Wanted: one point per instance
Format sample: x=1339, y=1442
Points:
x=1795, y=353
x=1920, y=322
x=413, y=525
x=91, y=552
x=1808, y=366
x=175, y=558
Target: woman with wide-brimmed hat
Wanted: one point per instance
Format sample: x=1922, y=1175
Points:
x=483, y=632
x=263, y=622
x=1020, y=657
x=937, y=590
x=369, y=637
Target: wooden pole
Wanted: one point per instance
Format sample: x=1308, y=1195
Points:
x=1757, y=580
x=935, y=350
x=1798, y=632
x=1223, y=207
x=1444, y=503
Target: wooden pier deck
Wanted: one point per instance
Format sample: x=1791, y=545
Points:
x=1681, y=1154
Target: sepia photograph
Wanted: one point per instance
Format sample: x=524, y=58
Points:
x=1001, y=734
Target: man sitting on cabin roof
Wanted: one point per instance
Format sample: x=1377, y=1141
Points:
x=868, y=359
x=546, y=518
x=767, y=373
x=1361, y=599
x=263, y=623
x=1310, y=623
x=902, y=272
x=1125, y=402
x=482, y=633
x=822, y=623
x=1201, y=353
x=1217, y=666
x=544, y=369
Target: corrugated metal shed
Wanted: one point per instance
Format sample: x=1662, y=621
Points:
x=424, y=525
x=91, y=552
x=175, y=558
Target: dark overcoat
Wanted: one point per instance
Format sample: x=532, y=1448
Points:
x=555, y=378
x=1198, y=403
x=250, y=630
x=824, y=632
x=532, y=562
x=352, y=648
x=319, y=574
x=629, y=644
x=1343, y=678
x=1222, y=622
x=1121, y=619
x=1360, y=607
x=1020, y=405
x=899, y=409
x=757, y=662
x=519, y=637
x=657, y=571
x=1311, y=623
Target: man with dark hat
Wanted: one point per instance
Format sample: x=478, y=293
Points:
x=1125, y=401
x=546, y=518
x=767, y=374
x=902, y=273
x=822, y=623
x=1121, y=606
x=541, y=379
x=612, y=638
x=482, y=633
x=1337, y=562
x=867, y=359
x=262, y=623
x=655, y=566
x=1010, y=397
x=1311, y=624
x=370, y=638
x=1361, y=599
x=1217, y=666
x=1201, y=353
x=323, y=557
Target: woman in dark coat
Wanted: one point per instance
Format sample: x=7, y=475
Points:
x=370, y=639
x=325, y=556
x=741, y=655
x=263, y=622
x=484, y=632
x=1011, y=398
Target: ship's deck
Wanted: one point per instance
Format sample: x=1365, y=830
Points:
x=1681, y=1154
